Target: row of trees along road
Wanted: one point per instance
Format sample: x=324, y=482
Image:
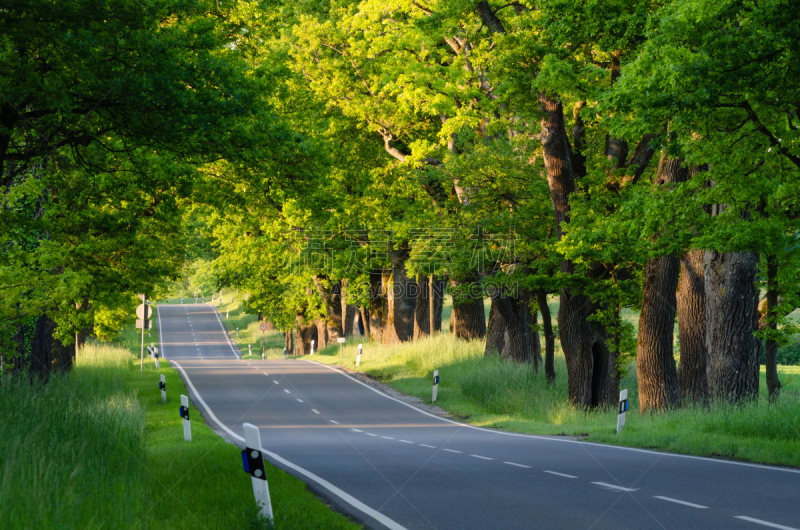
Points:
x=356, y=156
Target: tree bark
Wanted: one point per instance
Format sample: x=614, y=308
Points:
x=437, y=301
x=288, y=342
x=731, y=320
x=332, y=297
x=378, y=305
x=365, y=331
x=691, y=305
x=305, y=334
x=422, y=313
x=322, y=333
x=401, y=296
x=468, y=320
x=495, y=330
x=41, y=349
x=655, y=362
x=591, y=365
x=773, y=382
x=549, y=337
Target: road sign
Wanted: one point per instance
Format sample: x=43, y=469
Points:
x=144, y=311
x=263, y=326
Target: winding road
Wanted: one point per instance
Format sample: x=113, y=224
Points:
x=390, y=465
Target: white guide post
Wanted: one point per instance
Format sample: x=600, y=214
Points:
x=312, y=346
x=358, y=357
x=284, y=354
x=237, y=333
x=187, y=427
x=181, y=301
x=341, y=341
x=249, y=349
x=254, y=460
x=435, y=385
x=623, y=408
x=163, y=386
x=155, y=356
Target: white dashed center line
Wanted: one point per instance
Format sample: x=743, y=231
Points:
x=612, y=486
x=315, y=411
x=368, y=433
x=482, y=457
x=764, y=523
x=334, y=421
x=676, y=501
x=286, y=390
x=405, y=441
x=518, y=465
x=426, y=445
x=300, y=400
x=451, y=451
x=556, y=473
x=356, y=430
x=387, y=437
x=275, y=382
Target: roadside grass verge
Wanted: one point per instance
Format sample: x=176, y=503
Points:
x=97, y=449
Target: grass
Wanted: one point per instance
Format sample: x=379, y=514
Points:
x=97, y=449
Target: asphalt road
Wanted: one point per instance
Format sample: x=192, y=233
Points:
x=390, y=465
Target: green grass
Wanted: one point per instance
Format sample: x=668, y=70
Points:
x=99, y=449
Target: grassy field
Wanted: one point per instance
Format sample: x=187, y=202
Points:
x=493, y=393
x=99, y=449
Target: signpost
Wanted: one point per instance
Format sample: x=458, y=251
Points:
x=341, y=341
x=253, y=460
x=312, y=346
x=163, y=386
x=263, y=328
x=187, y=426
x=143, y=313
x=623, y=408
x=435, y=385
x=358, y=357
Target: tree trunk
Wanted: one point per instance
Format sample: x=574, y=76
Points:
x=731, y=320
x=365, y=331
x=773, y=383
x=378, y=304
x=437, y=301
x=288, y=342
x=332, y=296
x=41, y=349
x=322, y=333
x=691, y=305
x=655, y=362
x=495, y=330
x=549, y=337
x=348, y=312
x=468, y=319
x=516, y=314
x=305, y=334
x=401, y=296
x=422, y=313
x=591, y=366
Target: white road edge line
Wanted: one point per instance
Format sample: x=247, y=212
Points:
x=556, y=473
x=676, y=501
x=482, y=457
x=346, y=497
x=224, y=331
x=518, y=465
x=550, y=438
x=612, y=486
x=763, y=523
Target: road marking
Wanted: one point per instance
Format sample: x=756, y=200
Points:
x=676, y=501
x=612, y=486
x=559, y=474
x=763, y=523
x=248, y=364
x=346, y=497
x=315, y=411
x=368, y=433
x=452, y=451
x=356, y=430
x=300, y=400
x=518, y=465
x=334, y=421
x=277, y=383
x=426, y=445
x=482, y=457
x=286, y=390
x=405, y=441
x=387, y=437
